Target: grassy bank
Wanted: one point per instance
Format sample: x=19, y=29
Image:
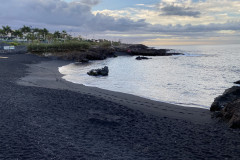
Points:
x=58, y=47
x=74, y=50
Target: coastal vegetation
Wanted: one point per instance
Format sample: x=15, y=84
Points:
x=36, y=36
x=63, y=45
x=58, y=43
x=59, y=47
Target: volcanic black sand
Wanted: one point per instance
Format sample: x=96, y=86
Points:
x=44, y=117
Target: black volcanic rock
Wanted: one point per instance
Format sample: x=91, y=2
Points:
x=99, y=72
x=228, y=96
x=227, y=106
x=138, y=46
x=142, y=58
x=231, y=113
x=237, y=82
x=142, y=50
x=149, y=52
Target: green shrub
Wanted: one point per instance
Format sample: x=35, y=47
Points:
x=116, y=43
x=105, y=44
x=59, y=46
x=14, y=43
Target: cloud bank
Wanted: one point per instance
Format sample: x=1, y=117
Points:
x=57, y=12
x=172, y=18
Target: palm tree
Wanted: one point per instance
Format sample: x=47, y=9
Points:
x=30, y=36
x=25, y=29
x=36, y=30
x=57, y=34
x=49, y=37
x=18, y=33
x=37, y=33
x=45, y=32
x=64, y=34
x=6, y=30
x=1, y=33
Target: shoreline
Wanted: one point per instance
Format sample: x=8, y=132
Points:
x=149, y=98
x=49, y=118
x=38, y=77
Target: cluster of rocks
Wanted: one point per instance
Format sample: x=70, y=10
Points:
x=99, y=72
x=227, y=106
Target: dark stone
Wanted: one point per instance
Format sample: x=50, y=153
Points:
x=151, y=52
x=95, y=55
x=99, y=72
x=237, y=82
x=232, y=114
x=141, y=58
x=227, y=107
x=228, y=96
x=138, y=46
x=142, y=50
x=84, y=60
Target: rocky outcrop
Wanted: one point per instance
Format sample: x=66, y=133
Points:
x=231, y=113
x=227, y=106
x=94, y=53
x=99, y=72
x=141, y=58
x=142, y=50
x=137, y=46
x=101, y=53
x=227, y=97
x=237, y=82
x=149, y=52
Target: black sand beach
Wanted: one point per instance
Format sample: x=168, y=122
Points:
x=45, y=117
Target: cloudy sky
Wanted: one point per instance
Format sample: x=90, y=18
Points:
x=152, y=22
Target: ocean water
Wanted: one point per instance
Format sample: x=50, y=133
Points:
x=193, y=79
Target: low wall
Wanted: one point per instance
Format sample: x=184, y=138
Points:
x=17, y=50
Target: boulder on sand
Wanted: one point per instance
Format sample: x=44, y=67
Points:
x=227, y=106
x=99, y=72
x=228, y=96
x=231, y=113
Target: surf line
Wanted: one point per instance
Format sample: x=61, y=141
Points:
x=3, y=57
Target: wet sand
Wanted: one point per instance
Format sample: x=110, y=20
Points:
x=46, y=117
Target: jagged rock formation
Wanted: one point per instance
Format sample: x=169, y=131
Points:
x=227, y=106
x=237, y=82
x=139, y=49
x=99, y=72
